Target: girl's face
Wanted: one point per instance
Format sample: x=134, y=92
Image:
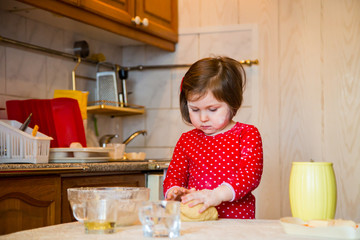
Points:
x=209, y=115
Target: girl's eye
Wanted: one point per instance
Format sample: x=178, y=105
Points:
x=194, y=110
x=213, y=109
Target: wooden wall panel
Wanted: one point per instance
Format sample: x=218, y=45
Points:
x=341, y=79
x=300, y=87
x=218, y=13
x=265, y=14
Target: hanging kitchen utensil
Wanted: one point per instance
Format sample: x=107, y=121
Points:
x=80, y=96
x=123, y=74
x=106, y=87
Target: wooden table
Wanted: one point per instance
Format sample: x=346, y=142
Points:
x=219, y=230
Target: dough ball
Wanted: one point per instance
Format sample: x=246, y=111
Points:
x=191, y=214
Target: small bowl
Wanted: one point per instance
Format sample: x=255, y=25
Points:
x=135, y=155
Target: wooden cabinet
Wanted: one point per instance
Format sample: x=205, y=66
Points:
x=29, y=202
x=127, y=180
x=162, y=16
x=151, y=21
x=117, y=10
x=157, y=17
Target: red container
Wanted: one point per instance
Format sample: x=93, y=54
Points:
x=59, y=118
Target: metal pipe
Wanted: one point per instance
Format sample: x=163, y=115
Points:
x=51, y=51
x=149, y=67
x=107, y=64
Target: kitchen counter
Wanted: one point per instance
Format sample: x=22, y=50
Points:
x=221, y=229
x=111, y=166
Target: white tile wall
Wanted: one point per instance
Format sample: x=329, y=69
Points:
x=150, y=88
x=44, y=35
x=177, y=75
x=13, y=26
x=165, y=127
x=186, y=52
x=58, y=75
x=25, y=73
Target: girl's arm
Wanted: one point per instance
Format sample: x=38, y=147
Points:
x=249, y=172
x=177, y=173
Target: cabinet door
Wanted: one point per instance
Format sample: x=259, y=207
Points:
x=115, y=10
x=29, y=202
x=162, y=16
x=126, y=180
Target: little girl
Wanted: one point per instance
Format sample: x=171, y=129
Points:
x=219, y=163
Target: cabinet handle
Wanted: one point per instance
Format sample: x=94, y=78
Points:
x=137, y=21
x=145, y=22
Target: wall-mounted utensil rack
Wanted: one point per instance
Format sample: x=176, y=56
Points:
x=105, y=109
x=105, y=64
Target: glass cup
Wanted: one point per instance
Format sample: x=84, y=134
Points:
x=98, y=215
x=117, y=152
x=160, y=218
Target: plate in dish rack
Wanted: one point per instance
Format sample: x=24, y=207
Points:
x=79, y=155
x=296, y=226
x=89, y=152
x=79, y=160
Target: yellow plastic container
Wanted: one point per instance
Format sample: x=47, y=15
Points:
x=312, y=190
x=81, y=97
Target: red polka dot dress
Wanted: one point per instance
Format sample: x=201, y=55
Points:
x=233, y=158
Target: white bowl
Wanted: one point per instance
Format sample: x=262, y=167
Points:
x=135, y=155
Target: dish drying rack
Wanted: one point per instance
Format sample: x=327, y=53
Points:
x=18, y=146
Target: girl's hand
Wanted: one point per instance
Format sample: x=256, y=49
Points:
x=208, y=197
x=176, y=193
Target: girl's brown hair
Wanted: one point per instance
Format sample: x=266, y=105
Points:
x=223, y=76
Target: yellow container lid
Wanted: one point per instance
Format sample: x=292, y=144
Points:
x=80, y=96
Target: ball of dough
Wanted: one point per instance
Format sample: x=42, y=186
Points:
x=191, y=214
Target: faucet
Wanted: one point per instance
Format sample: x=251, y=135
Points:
x=132, y=136
x=104, y=140
x=108, y=137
